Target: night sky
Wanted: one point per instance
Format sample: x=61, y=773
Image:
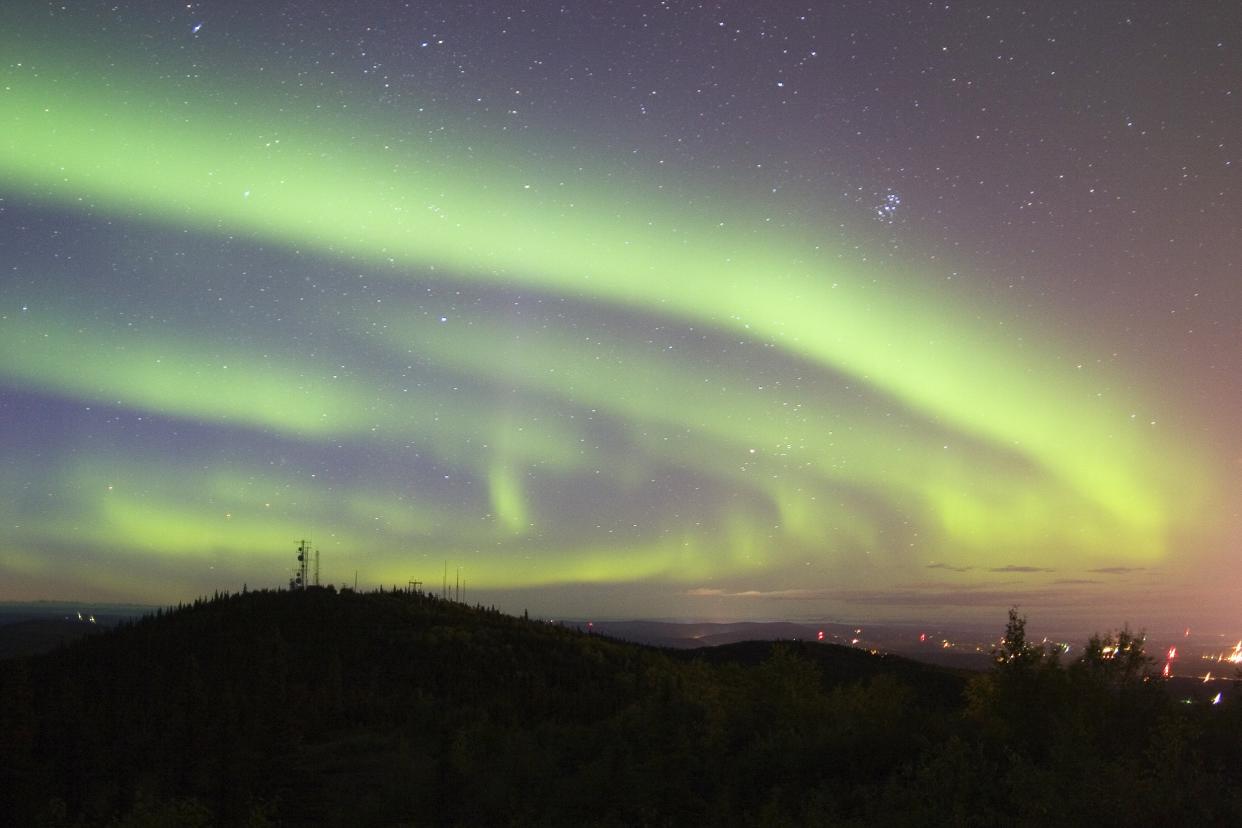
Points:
x=855, y=310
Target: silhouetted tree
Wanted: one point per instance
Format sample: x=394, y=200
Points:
x=1115, y=660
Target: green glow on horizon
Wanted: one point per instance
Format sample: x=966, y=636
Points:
x=687, y=558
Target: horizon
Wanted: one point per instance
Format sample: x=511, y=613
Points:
x=989, y=628
x=643, y=311
x=1184, y=655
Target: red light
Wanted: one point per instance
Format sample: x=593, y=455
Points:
x=922, y=636
x=821, y=635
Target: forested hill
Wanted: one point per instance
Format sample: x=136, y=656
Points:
x=318, y=707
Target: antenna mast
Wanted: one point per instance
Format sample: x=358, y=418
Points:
x=299, y=581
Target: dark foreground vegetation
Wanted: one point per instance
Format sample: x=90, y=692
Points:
x=315, y=707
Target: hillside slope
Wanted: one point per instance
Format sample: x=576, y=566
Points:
x=390, y=708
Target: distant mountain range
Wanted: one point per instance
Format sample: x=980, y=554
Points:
x=41, y=626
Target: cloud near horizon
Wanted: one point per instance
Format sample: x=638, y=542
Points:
x=774, y=594
x=1016, y=568
x=930, y=594
x=950, y=568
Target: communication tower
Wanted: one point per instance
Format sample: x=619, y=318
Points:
x=299, y=579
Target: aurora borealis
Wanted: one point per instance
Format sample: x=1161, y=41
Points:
x=632, y=309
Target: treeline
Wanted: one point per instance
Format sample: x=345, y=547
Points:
x=314, y=707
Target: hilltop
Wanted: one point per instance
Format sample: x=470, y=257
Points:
x=318, y=707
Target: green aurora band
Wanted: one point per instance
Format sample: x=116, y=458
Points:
x=1044, y=466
